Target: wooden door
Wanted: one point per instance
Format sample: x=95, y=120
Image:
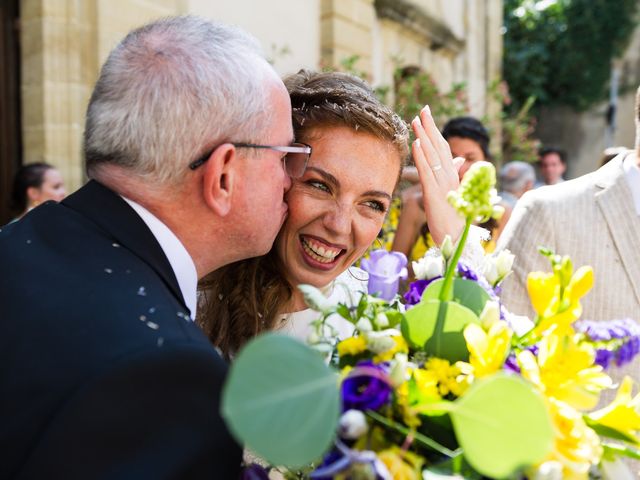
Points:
x=10, y=131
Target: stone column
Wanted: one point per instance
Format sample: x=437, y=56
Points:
x=346, y=28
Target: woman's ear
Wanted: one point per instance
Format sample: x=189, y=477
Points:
x=33, y=196
x=219, y=179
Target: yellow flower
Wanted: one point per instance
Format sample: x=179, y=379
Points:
x=558, y=309
x=488, y=350
x=400, y=347
x=417, y=394
x=623, y=414
x=564, y=370
x=402, y=465
x=448, y=377
x=576, y=446
x=352, y=346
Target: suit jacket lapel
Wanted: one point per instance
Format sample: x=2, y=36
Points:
x=118, y=220
x=614, y=199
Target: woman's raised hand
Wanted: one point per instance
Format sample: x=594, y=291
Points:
x=438, y=173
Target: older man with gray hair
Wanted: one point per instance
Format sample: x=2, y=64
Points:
x=516, y=178
x=105, y=375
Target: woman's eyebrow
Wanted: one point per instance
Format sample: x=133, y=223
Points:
x=330, y=178
x=326, y=175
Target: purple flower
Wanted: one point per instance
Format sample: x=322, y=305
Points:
x=416, y=289
x=367, y=387
x=603, y=357
x=511, y=364
x=615, y=340
x=385, y=271
x=466, y=272
x=342, y=459
x=254, y=472
x=627, y=351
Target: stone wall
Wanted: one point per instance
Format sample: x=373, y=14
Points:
x=64, y=42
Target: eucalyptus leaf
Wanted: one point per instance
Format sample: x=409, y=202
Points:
x=502, y=425
x=436, y=327
x=465, y=292
x=282, y=401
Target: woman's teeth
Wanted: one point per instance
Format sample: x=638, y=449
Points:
x=318, y=252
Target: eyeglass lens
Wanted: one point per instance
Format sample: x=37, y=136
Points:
x=295, y=164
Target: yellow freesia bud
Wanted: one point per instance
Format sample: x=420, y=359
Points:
x=542, y=288
x=580, y=284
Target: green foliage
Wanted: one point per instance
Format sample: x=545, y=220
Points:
x=278, y=388
x=560, y=51
x=518, y=142
x=414, y=88
x=502, y=425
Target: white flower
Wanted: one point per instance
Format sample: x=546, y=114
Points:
x=497, y=267
x=382, y=321
x=447, y=247
x=490, y=271
x=316, y=299
x=313, y=338
x=398, y=373
x=353, y=424
x=504, y=262
x=490, y=314
x=428, y=267
x=380, y=342
x=364, y=325
x=550, y=470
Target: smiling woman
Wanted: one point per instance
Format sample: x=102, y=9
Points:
x=336, y=209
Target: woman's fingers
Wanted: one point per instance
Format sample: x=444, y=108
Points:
x=425, y=172
x=437, y=140
x=432, y=158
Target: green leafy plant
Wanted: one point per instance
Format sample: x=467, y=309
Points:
x=560, y=51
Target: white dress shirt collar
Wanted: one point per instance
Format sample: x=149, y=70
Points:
x=632, y=174
x=179, y=259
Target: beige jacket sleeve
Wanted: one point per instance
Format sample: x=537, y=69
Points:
x=531, y=225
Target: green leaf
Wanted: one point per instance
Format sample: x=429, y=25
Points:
x=465, y=292
x=502, y=425
x=436, y=327
x=604, y=431
x=394, y=317
x=282, y=401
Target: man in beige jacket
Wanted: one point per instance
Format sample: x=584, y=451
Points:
x=595, y=219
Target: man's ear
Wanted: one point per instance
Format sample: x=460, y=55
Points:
x=219, y=179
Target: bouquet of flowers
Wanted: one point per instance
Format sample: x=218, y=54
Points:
x=444, y=383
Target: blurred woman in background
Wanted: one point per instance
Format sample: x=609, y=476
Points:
x=34, y=184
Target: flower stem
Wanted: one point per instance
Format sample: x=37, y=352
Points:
x=418, y=437
x=446, y=294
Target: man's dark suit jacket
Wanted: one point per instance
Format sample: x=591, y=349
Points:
x=102, y=373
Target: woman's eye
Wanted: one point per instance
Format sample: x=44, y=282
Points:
x=377, y=206
x=319, y=185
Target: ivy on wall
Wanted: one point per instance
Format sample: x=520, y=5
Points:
x=560, y=51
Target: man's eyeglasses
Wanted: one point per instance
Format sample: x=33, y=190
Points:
x=295, y=159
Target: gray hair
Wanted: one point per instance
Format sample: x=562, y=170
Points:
x=515, y=175
x=171, y=90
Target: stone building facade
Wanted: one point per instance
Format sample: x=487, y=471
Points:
x=53, y=50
